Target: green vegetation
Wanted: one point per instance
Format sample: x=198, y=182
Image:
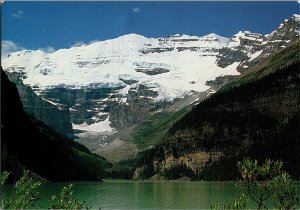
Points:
x=25, y=192
x=29, y=143
x=3, y=177
x=25, y=195
x=179, y=171
x=146, y=134
x=239, y=203
x=267, y=181
x=266, y=184
x=257, y=115
x=66, y=200
x=286, y=57
x=151, y=131
x=120, y=172
x=92, y=162
x=55, y=157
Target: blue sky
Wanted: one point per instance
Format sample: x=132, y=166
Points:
x=54, y=25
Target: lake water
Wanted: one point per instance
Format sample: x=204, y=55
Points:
x=141, y=195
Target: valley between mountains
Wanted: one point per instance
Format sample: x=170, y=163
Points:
x=181, y=106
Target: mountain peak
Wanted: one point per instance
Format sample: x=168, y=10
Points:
x=221, y=39
x=296, y=16
x=287, y=29
x=182, y=36
x=242, y=33
x=132, y=36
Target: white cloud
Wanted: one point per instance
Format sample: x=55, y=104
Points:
x=8, y=46
x=47, y=49
x=18, y=15
x=136, y=10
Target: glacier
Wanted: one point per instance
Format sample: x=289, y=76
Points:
x=188, y=63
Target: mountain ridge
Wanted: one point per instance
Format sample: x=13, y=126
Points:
x=27, y=143
x=117, y=84
x=257, y=116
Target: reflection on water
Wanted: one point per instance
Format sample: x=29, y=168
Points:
x=138, y=195
x=155, y=195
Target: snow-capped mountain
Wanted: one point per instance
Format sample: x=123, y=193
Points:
x=172, y=66
x=248, y=48
x=109, y=84
x=118, y=71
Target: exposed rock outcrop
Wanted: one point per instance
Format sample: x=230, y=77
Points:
x=54, y=115
x=248, y=48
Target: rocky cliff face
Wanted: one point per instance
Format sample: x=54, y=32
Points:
x=248, y=48
x=239, y=48
x=55, y=115
x=197, y=162
x=256, y=115
x=114, y=84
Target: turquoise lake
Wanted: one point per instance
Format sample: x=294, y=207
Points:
x=145, y=195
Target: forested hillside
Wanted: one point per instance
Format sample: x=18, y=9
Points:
x=257, y=115
x=28, y=143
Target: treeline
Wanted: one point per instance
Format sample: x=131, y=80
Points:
x=179, y=171
x=258, y=97
x=256, y=116
x=28, y=143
